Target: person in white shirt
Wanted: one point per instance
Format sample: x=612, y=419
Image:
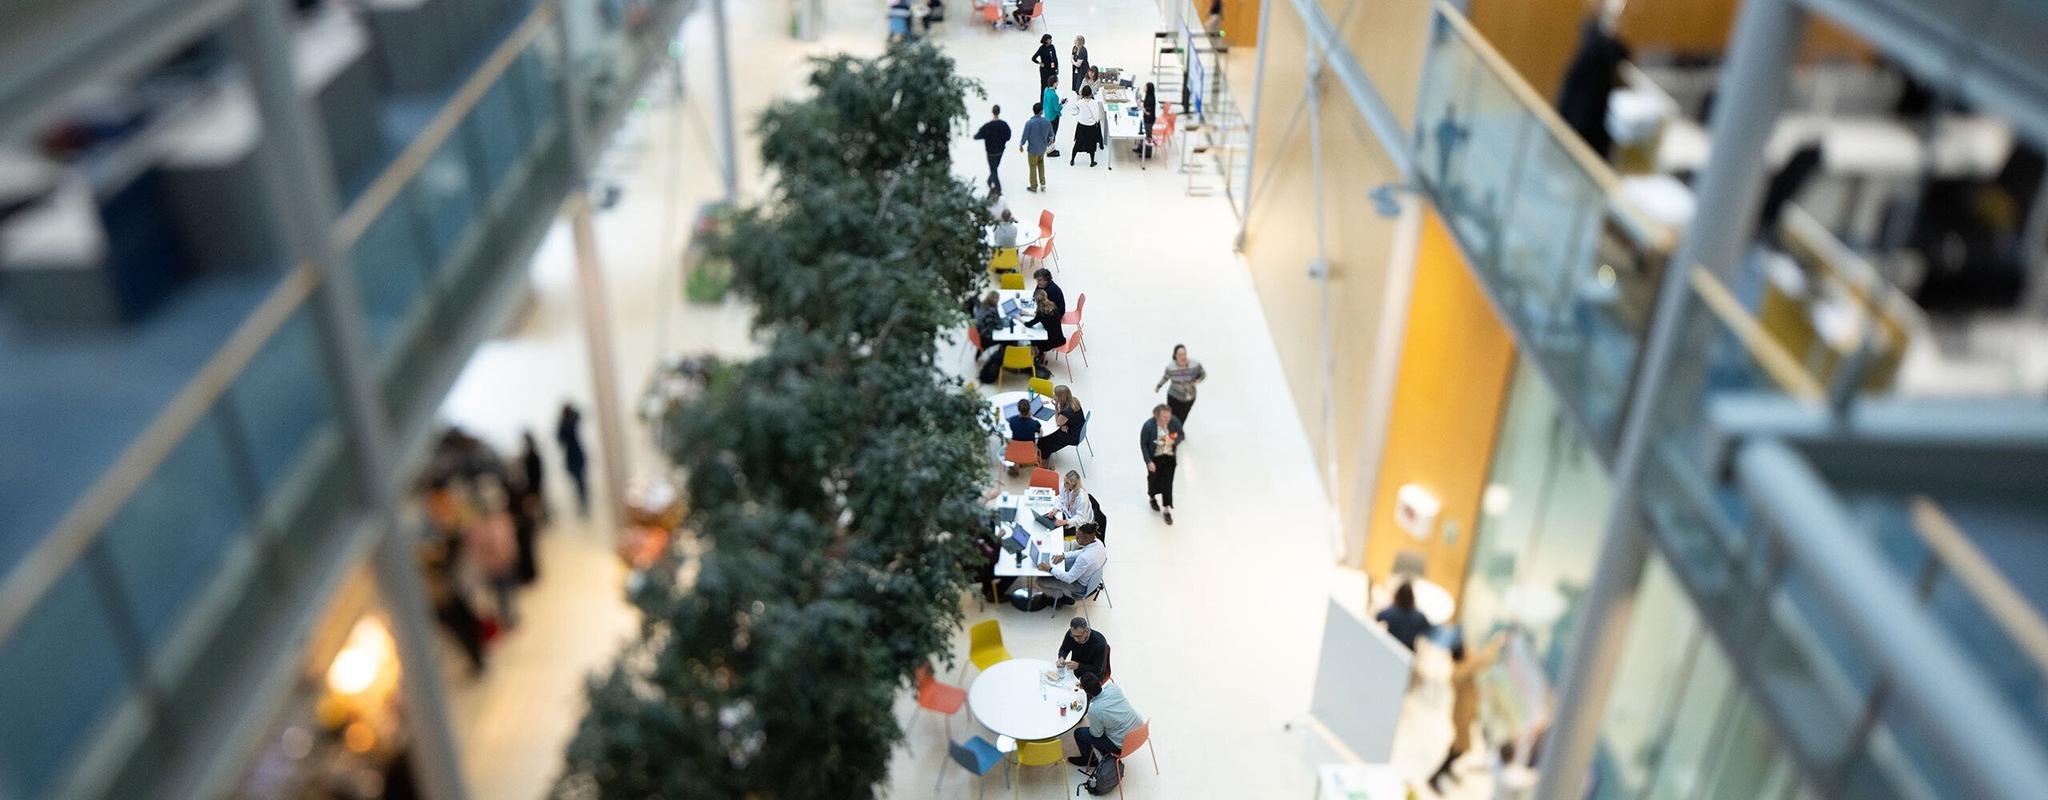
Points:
x=1071, y=508
x=1076, y=574
x=1088, y=113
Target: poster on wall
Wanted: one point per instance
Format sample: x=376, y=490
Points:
x=1197, y=75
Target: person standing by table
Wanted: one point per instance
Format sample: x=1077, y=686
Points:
x=1079, y=57
x=1049, y=96
x=994, y=135
x=1075, y=575
x=1110, y=719
x=1088, y=114
x=1403, y=620
x=568, y=435
x=1180, y=377
x=1047, y=57
x=1037, y=137
x=1068, y=417
x=1151, y=118
x=1084, y=649
x=1157, y=440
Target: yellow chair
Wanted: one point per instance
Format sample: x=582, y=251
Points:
x=1041, y=387
x=1005, y=259
x=1042, y=754
x=1015, y=357
x=1012, y=280
x=985, y=644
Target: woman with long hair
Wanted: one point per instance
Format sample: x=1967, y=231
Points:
x=1068, y=417
x=1151, y=118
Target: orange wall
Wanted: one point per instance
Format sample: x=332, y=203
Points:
x=1456, y=359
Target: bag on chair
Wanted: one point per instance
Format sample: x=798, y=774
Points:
x=1104, y=776
x=1029, y=599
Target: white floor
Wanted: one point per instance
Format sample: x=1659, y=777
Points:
x=1217, y=618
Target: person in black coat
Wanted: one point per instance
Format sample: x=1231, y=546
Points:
x=1588, y=81
x=1048, y=318
x=1158, y=440
x=1052, y=290
x=568, y=435
x=1047, y=58
x=1079, y=55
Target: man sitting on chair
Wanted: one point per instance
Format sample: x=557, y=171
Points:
x=1084, y=650
x=1077, y=574
x=1110, y=718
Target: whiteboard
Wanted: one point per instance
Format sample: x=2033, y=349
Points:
x=1361, y=678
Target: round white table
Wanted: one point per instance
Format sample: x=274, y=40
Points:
x=1014, y=699
x=1435, y=602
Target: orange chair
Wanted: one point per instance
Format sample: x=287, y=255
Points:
x=1072, y=342
x=1074, y=317
x=933, y=695
x=1135, y=738
x=1043, y=478
x=992, y=14
x=1021, y=454
x=1038, y=252
x=1044, y=223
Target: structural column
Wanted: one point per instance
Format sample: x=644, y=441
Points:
x=728, y=143
x=1766, y=45
x=596, y=305
x=299, y=185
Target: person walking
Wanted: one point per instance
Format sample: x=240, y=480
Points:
x=1157, y=440
x=1088, y=114
x=570, y=437
x=1464, y=705
x=1047, y=57
x=1182, y=373
x=533, y=477
x=1079, y=58
x=1036, y=138
x=994, y=135
x=1049, y=96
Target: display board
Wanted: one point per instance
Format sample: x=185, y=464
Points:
x=1360, y=680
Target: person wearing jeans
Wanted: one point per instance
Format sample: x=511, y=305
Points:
x=1157, y=440
x=1033, y=142
x=994, y=135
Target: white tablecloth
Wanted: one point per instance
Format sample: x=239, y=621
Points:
x=1014, y=699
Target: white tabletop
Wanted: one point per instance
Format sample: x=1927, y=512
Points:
x=1050, y=541
x=1366, y=781
x=1026, y=235
x=1005, y=405
x=1434, y=601
x=1016, y=331
x=1014, y=699
x=1960, y=146
x=1122, y=124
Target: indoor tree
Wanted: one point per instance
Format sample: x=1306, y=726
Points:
x=834, y=483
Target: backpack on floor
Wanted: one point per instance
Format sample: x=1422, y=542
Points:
x=1103, y=778
x=1029, y=599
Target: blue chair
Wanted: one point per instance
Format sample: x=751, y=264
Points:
x=975, y=755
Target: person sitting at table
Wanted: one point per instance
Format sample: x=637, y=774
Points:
x=1403, y=620
x=1052, y=290
x=1023, y=426
x=997, y=206
x=1047, y=319
x=1070, y=507
x=1110, y=719
x=1005, y=233
x=1077, y=574
x=1088, y=649
x=1068, y=417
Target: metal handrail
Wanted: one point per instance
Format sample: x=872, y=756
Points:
x=1658, y=236
x=2023, y=624
x=356, y=219
x=1783, y=368
x=29, y=579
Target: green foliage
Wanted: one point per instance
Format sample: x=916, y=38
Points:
x=834, y=482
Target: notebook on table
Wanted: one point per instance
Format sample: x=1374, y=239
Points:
x=1045, y=520
x=1018, y=538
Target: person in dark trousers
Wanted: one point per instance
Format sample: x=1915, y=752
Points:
x=1180, y=377
x=994, y=136
x=1049, y=97
x=451, y=609
x=1589, y=80
x=1033, y=142
x=1088, y=120
x=1084, y=649
x=1068, y=417
x=1464, y=705
x=1151, y=118
x=533, y=478
x=574, y=460
x=1402, y=619
x=1157, y=439
x=1079, y=58
x=1047, y=57
x=1048, y=320
x=1026, y=10
x=1110, y=719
